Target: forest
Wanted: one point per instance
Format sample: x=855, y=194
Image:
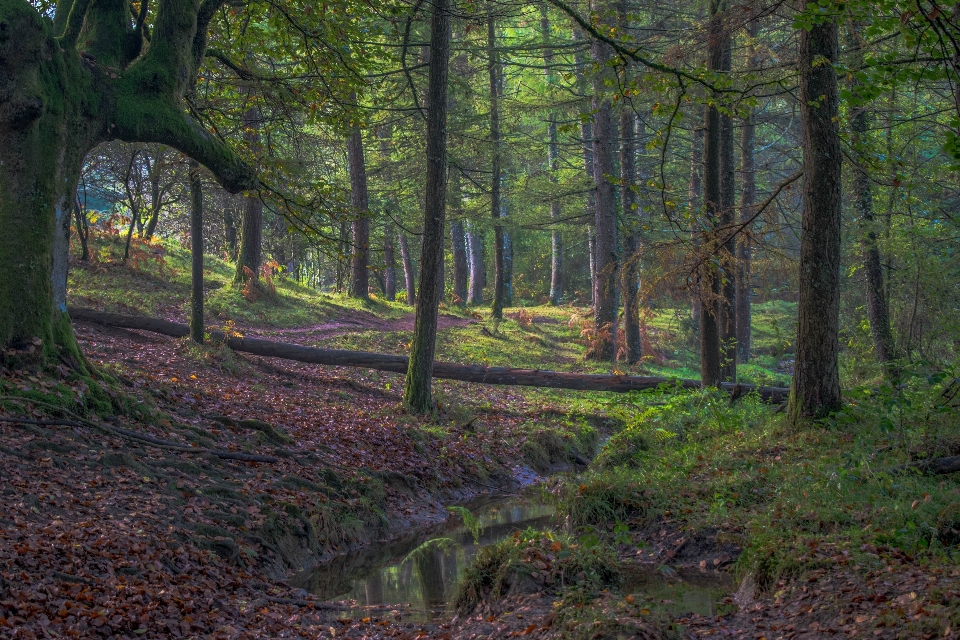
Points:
x=475, y=319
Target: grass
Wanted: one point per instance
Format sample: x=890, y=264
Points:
x=696, y=463
x=532, y=561
x=155, y=281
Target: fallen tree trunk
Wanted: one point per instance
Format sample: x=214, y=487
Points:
x=932, y=467
x=445, y=370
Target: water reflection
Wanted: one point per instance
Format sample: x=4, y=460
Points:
x=390, y=580
x=421, y=588
x=679, y=592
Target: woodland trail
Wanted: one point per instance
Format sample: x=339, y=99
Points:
x=349, y=321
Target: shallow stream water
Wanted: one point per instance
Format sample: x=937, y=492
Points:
x=387, y=579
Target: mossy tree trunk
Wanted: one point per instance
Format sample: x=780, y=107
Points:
x=416, y=393
x=709, y=275
x=360, y=226
x=815, y=390
x=196, y=253
x=250, y=251
x=606, y=275
x=55, y=106
x=748, y=195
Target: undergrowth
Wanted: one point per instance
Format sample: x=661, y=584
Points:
x=794, y=499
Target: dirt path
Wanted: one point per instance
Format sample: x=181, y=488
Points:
x=350, y=321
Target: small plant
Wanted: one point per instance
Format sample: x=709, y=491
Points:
x=470, y=521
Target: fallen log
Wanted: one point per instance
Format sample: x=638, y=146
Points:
x=932, y=467
x=444, y=370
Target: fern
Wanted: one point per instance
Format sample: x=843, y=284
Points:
x=470, y=521
x=439, y=543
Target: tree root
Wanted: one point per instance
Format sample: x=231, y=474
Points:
x=126, y=433
x=267, y=429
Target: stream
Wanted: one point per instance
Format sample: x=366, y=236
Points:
x=382, y=579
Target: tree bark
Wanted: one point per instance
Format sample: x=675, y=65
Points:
x=605, y=285
x=360, y=226
x=196, y=253
x=496, y=171
x=748, y=194
x=815, y=391
x=631, y=243
x=458, y=242
x=553, y=165
x=728, y=250
x=230, y=226
x=389, y=264
x=416, y=393
x=711, y=318
x=251, y=222
x=409, y=274
x=477, y=268
x=695, y=202
x=877, y=310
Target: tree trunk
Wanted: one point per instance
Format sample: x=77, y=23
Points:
x=695, y=201
x=230, y=225
x=877, y=310
x=251, y=223
x=83, y=229
x=711, y=317
x=409, y=275
x=748, y=169
x=631, y=243
x=496, y=172
x=416, y=393
x=132, y=203
x=156, y=197
x=458, y=243
x=55, y=106
x=479, y=374
x=196, y=253
x=360, y=227
x=477, y=268
x=815, y=391
x=41, y=155
x=553, y=164
x=389, y=264
x=605, y=215
x=728, y=250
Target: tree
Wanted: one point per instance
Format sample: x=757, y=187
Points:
x=605, y=285
x=360, y=226
x=553, y=165
x=82, y=79
x=710, y=279
x=196, y=253
x=250, y=253
x=860, y=123
x=496, y=171
x=748, y=194
x=416, y=393
x=815, y=390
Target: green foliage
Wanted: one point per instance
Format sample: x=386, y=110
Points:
x=470, y=521
x=533, y=561
x=795, y=500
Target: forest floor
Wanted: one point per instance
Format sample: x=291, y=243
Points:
x=106, y=534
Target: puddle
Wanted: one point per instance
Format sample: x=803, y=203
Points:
x=382, y=581
x=420, y=589
x=679, y=592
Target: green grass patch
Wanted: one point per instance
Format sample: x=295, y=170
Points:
x=795, y=499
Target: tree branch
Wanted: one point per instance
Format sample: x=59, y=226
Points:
x=143, y=118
